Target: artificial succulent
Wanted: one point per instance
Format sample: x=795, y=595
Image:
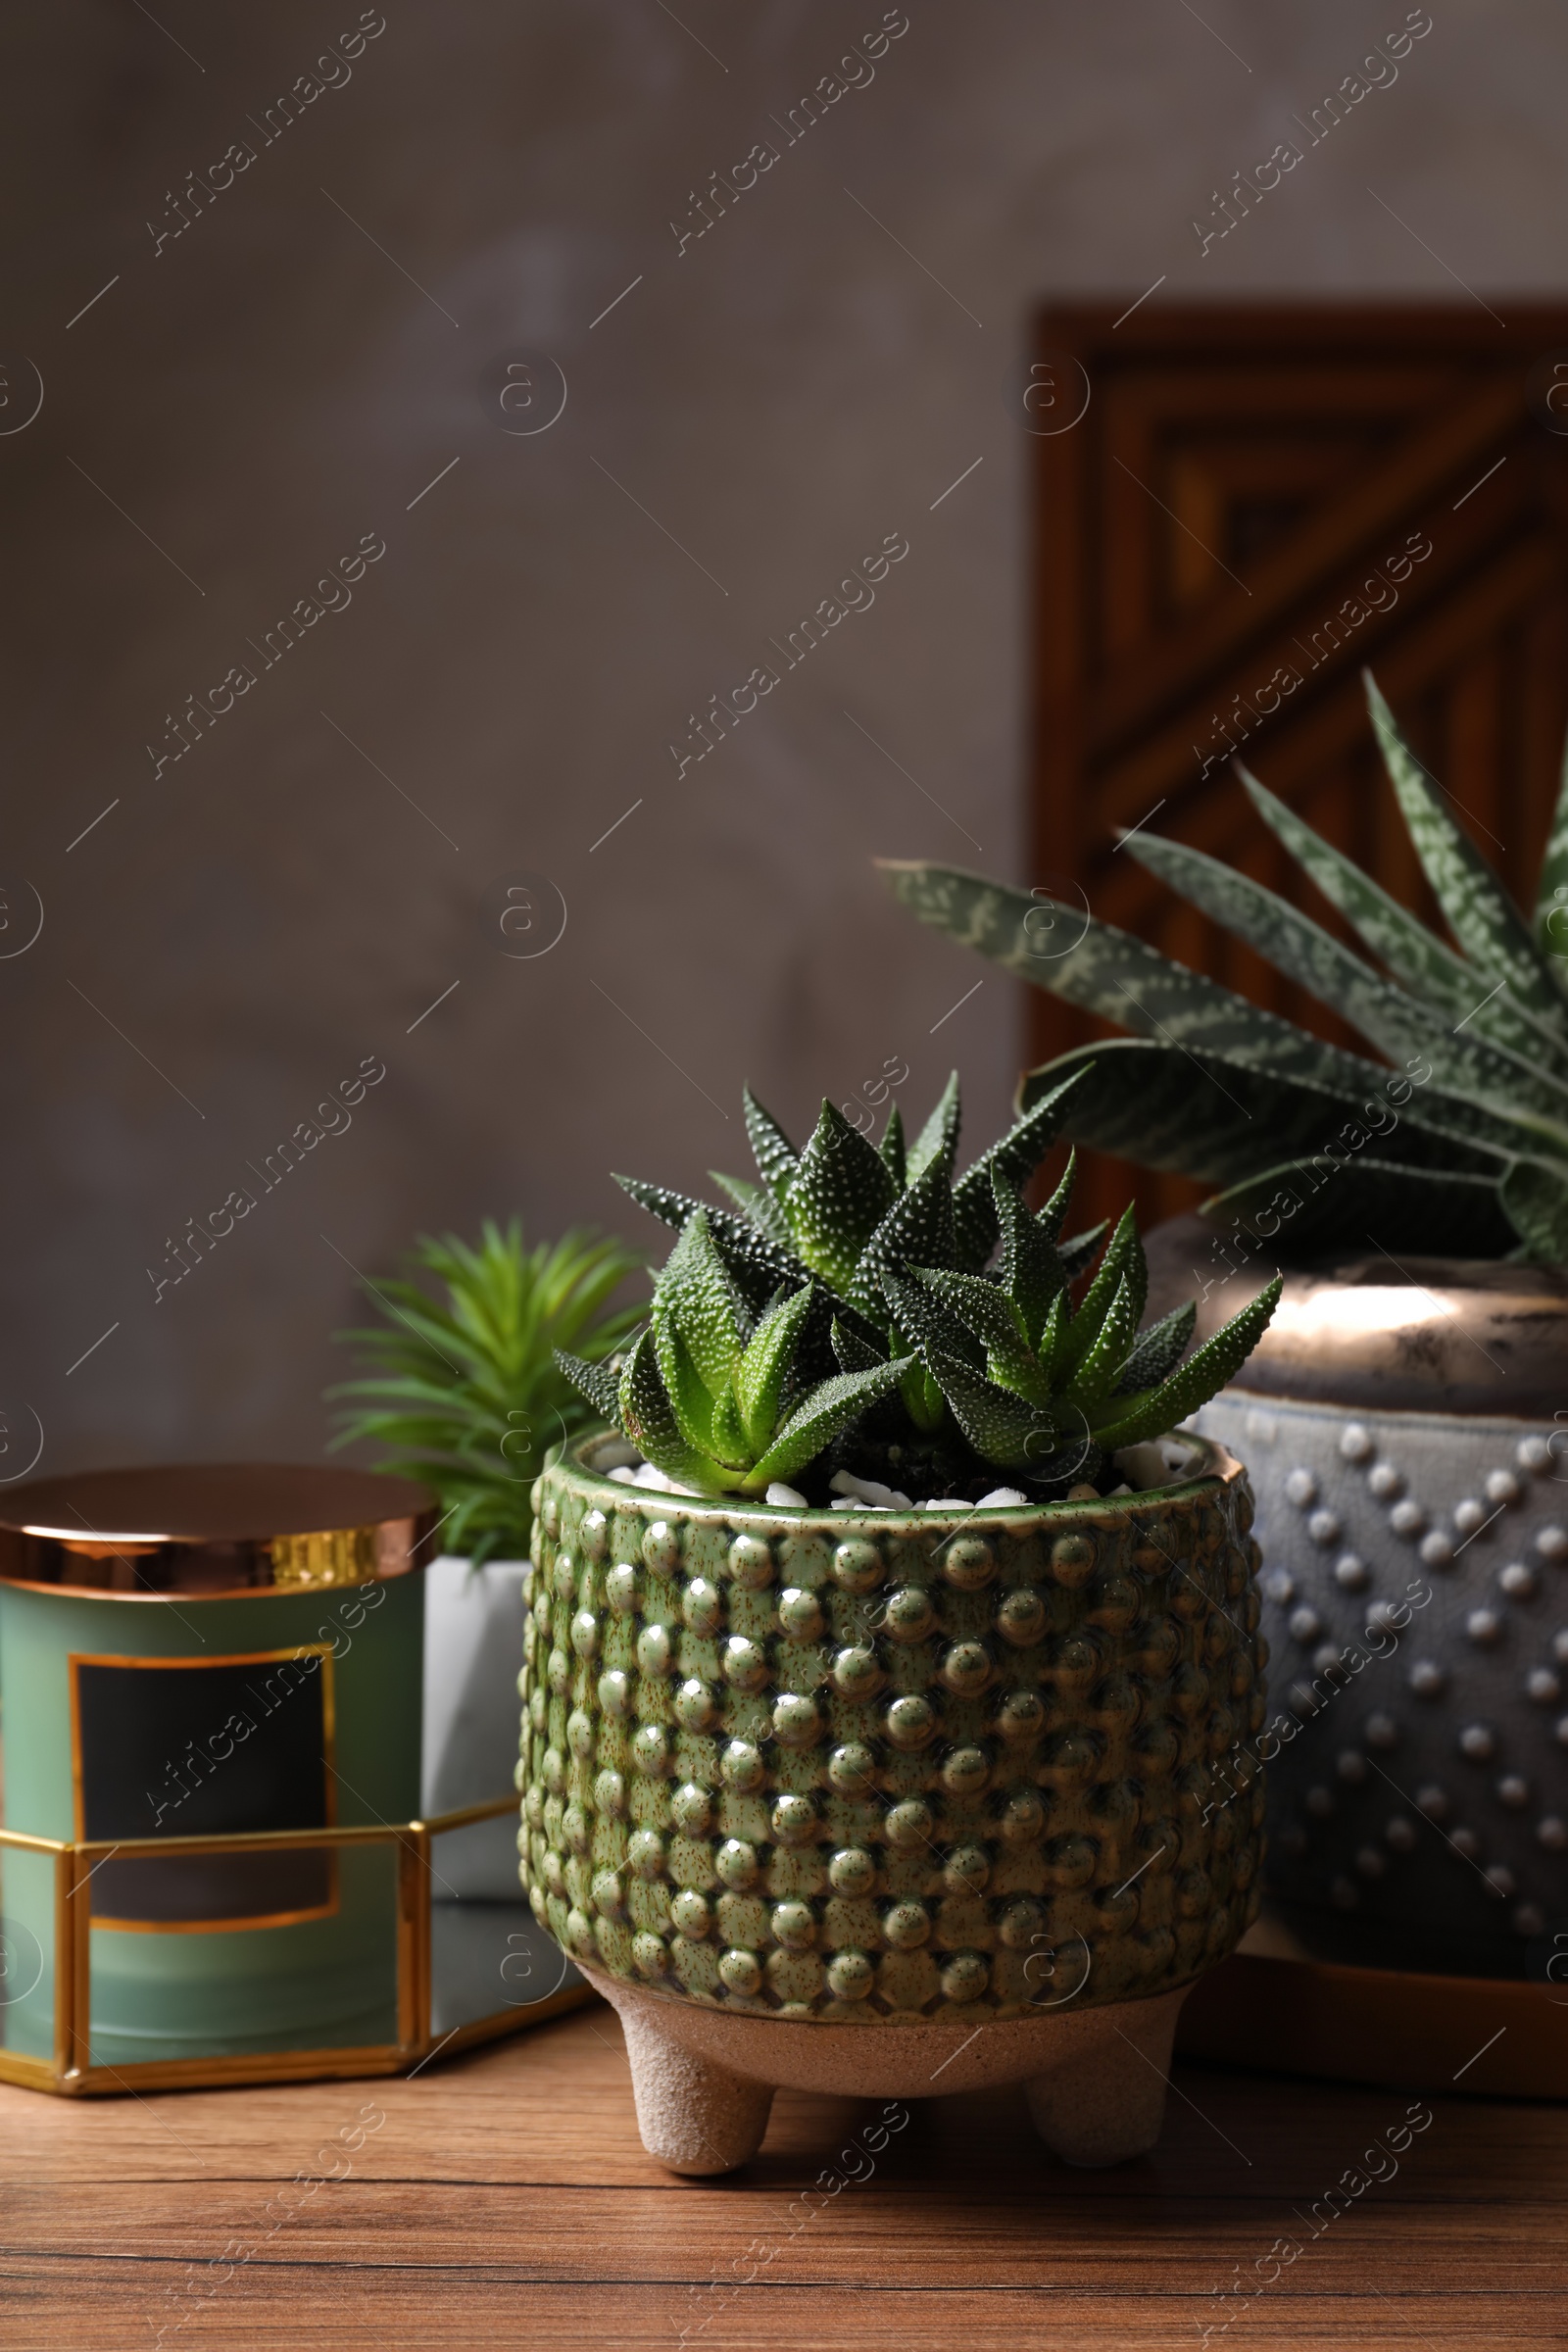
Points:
x=1468, y=1157
x=466, y=1391
x=841, y=1323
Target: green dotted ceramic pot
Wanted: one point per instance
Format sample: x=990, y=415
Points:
x=885, y=1767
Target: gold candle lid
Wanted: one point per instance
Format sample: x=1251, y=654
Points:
x=208, y=1530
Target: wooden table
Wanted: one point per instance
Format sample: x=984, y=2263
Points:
x=504, y=2200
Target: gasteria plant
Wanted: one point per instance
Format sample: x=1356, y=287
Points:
x=842, y=1322
x=467, y=1392
x=1288, y=1127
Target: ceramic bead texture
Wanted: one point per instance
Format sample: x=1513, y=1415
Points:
x=892, y=1766
x=1427, y=1790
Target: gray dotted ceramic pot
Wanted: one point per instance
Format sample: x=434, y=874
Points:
x=1405, y=1426
x=815, y=1796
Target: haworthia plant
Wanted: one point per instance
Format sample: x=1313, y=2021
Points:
x=1457, y=1139
x=1031, y=1381
x=842, y=1316
x=844, y=1212
x=711, y=1394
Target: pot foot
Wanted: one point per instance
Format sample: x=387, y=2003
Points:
x=694, y=2117
x=1104, y=2101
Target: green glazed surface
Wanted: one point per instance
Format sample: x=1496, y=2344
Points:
x=879, y=1767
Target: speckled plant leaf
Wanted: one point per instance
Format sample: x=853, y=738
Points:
x=938, y=1137
x=840, y=1193
x=1419, y=960
x=1482, y=916
x=756, y=1205
x=757, y=1265
x=598, y=1383
x=690, y=1398
x=1159, y=1352
x=1031, y=1271
x=1535, y=1202
x=775, y=1156
x=1123, y=1261
x=925, y=1321
x=853, y=1352
x=1077, y=1252
x=828, y=1410
x=1311, y=1203
x=762, y=1373
x=695, y=1291
x=731, y=1443
x=1018, y=1155
x=1049, y=1219
x=1054, y=1336
x=894, y=1156
x=1126, y=1420
x=1113, y=974
x=1393, y=1021
x=986, y=1311
x=917, y=1227
x=1551, y=891
x=1002, y=1428
x=1205, y=1115
x=649, y=1419
x=1101, y=1368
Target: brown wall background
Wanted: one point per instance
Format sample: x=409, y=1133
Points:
x=239, y=932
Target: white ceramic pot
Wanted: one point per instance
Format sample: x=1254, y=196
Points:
x=473, y=1625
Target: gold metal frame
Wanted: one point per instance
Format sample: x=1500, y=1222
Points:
x=72, y=2071
x=128, y=1849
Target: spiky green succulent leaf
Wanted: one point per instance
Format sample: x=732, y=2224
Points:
x=1017, y=1157
x=598, y=1383
x=756, y=1205
x=691, y=1401
x=1159, y=1350
x=757, y=1265
x=649, y=1419
x=1078, y=1251
x=1123, y=1261
x=764, y=1369
x=927, y=1321
x=1005, y=1430
x=1419, y=960
x=986, y=1310
x=1049, y=1219
x=938, y=1139
x=853, y=1351
x=696, y=1292
x=1393, y=1021
x=1482, y=916
x=775, y=1156
x=827, y=1411
x=1139, y=1101
x=894, y=1156
x=919, y=1226
x=1032, y=1272
x=1127, y=1420
x=839, y=1195
x=466, y=1392
x=1101, y=1367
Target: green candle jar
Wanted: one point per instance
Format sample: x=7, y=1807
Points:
x=189, y=1657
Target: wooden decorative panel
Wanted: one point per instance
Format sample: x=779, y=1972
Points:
x=1256, y=501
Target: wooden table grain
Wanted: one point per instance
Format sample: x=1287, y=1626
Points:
x=504, y=2200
